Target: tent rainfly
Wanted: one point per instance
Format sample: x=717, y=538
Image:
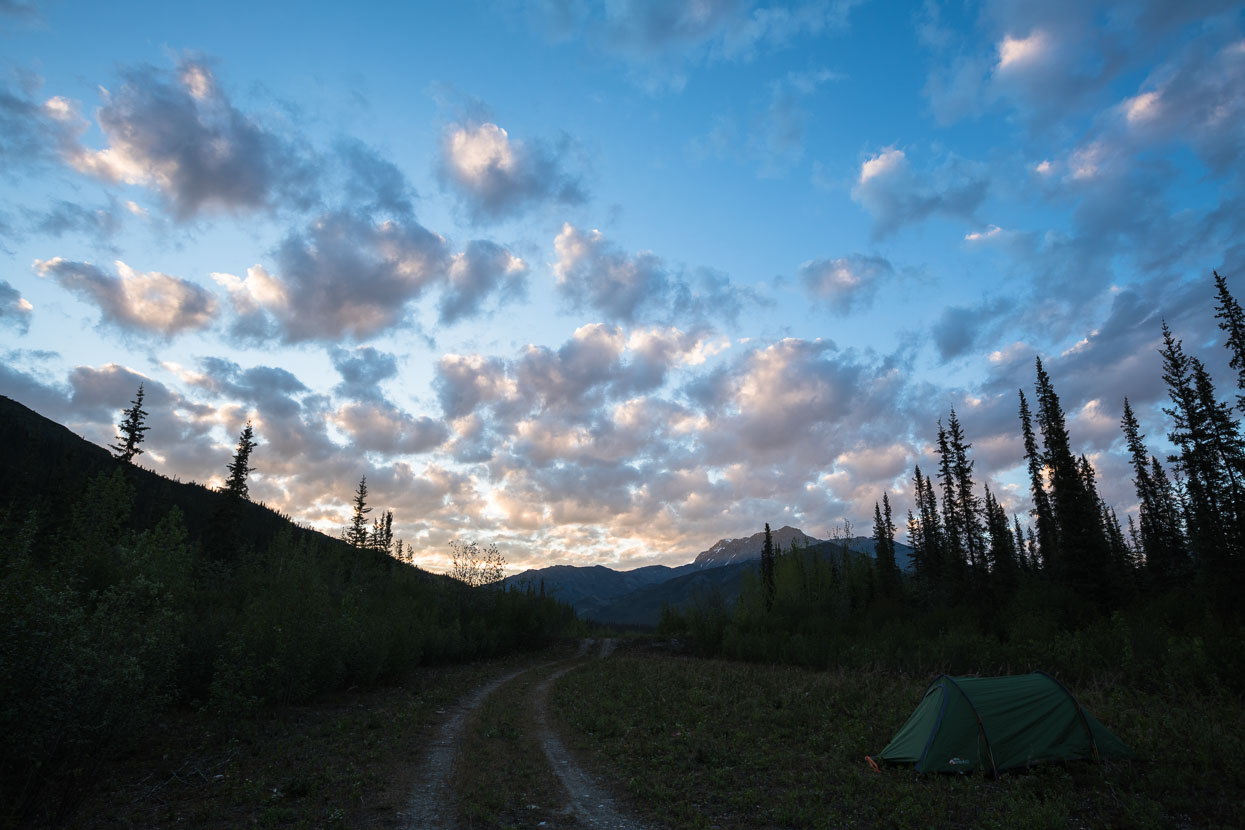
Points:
x=964, y=724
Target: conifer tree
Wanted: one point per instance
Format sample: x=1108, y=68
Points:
x=1083, y=554
x=1232, y=321
x=884, y=548
x=1022, y=560
x=131, y=430
x=953, y=533
x=1047, y=535
x=1196, y=460
x=357, y=534
x=1002, y=553
x=767, y=567
x=240, y=467
x=967, y=504
x=928, y=562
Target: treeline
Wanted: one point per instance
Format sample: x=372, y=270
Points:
x=109, y=619
x=1070, y=588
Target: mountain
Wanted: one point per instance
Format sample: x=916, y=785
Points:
x=635, y=597
x=727, y=551
x=590, y=589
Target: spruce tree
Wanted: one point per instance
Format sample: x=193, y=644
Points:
x=953, y=532
x=1022, y=560
x=240, y=467
x=357, y=534
x=929, y=561
x=1083, y=551
x=767, y=567
x=1047, y=535
x=1002, y=552
x=1232, y=321
x=1190, y=434
x=884, y=548
x=131, y=430
x=967, y=504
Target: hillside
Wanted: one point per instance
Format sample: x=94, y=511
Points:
x=42, y=463
x=125, y=593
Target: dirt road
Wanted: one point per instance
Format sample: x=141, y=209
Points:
x=433, y=805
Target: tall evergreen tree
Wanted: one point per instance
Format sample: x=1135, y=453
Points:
x=1002, y=552
x=240, y=467
x=1047, y=535
x=1232, y=320
x=884, y=548
x=131, y=430
x=967, y=505
x=381, y=538
x=1196, y=460
x=953, y=532
x=1083, y=554
x=1022, y=560
x=767, y=566
x=357, y=534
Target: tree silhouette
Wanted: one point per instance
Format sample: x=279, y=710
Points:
x=357, y=533
x=767, y=567
x=240, y=467
x=131, y=430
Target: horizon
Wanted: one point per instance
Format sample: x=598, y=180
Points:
x=603, y=285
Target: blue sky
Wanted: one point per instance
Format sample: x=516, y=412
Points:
x=605, y=282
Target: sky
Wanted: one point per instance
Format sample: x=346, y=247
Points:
x=604, y=282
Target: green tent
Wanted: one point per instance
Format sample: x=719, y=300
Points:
x=965, y=724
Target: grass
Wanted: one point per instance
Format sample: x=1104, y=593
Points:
x=502, y=778
x=713, y=744
x=346, y=761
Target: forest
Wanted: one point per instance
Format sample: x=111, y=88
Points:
x=1073, y=589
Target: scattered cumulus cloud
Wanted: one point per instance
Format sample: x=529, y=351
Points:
x=495, y=176
x=180, y=134
x=845, y=284
x=15, y=310
x=344, y=276
x=362, y=370
x=896, y=194
x=483, y=269
x=134, y=301
x=593, y=273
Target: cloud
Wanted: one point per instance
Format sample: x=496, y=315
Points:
x=846, y=283
x=144, y=303
x=960, y=328
x=69, y=217
x=373, y=183
x=362, y=370
x=15, y=310
x=345, y=276
x=484, y=268
x=495, y=176
x=593, y=274
x=381, y=427
x=1047, y=61
x=33, y=132
x=1197, y=97
x=180, y=134
x=661, y=40
x=897, y=195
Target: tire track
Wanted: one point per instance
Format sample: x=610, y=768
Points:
x=431, y=806
x=591, y=804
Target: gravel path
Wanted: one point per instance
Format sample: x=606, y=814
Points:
x=431, y=806
x=591, y=804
